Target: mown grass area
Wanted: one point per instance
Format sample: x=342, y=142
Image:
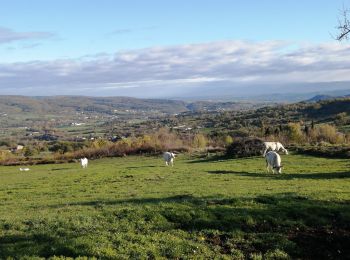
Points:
x=135, y=207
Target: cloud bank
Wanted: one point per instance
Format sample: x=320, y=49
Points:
x=8, y=35
x=171, y=71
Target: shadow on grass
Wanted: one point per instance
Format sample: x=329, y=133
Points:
x=214, y=158
x=138, y=167
x=41, y=245
x=220, y=158
x=101, y=203
x=60, y=169
x=304, y=228
x=287, y=176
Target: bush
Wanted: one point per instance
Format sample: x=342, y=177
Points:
x=328, y=133
x=61, y=147
x=5, y=143
x=245, y=148
x=228, y=140
x=6, y=155
x=276, y=255
x=29, y=151
x=294, y=133
x=200, y=141
x=325, y=150
x=99, y=143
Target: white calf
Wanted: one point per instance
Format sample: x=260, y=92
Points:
x=273, y=162
x=169, y=158
x=274, y=146
x=24, y=169
x=84, y=162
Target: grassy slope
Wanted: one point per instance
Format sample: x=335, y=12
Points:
x=135, y=207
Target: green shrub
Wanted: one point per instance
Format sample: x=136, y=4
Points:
x=294, y=133
x=228, y=140
x=200, y=141
x=245, y=147
x=276, y=254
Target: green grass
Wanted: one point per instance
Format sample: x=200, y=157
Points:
x=135, y=207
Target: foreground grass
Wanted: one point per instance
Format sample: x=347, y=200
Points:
x=135, y=207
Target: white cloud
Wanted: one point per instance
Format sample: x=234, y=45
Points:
x=180, y=67
x=7, y=35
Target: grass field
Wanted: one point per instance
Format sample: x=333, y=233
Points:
x=135, y=207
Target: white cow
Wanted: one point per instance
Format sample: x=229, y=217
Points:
x=24, y=169
x=169, y=158
x=84, y=162
x=274, y=146
x=273, y=162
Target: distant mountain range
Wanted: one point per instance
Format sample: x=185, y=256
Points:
x=110, y=105
x=229, y=91
x=325, y=97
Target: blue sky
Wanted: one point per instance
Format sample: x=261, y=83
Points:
x=68, y=39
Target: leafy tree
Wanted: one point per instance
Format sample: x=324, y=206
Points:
x=200, y=141
x=294, y=132
x=29, y=151
x=4, y=143
x=341, y=118
x=99, y=143
x=267, y=131
x=5, y=155
x=228, y=140
x=277, y=131
x=61, y=147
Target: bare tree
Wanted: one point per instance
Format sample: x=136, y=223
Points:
x=343, y=25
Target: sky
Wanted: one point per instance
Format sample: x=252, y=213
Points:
x=163, y=48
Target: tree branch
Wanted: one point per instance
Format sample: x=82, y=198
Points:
x=343, y=26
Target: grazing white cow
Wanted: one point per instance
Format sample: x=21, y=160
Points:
x=273, y=162
x=24, y=169
x=84, y=162
x=274, y=146
x=169, y=158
